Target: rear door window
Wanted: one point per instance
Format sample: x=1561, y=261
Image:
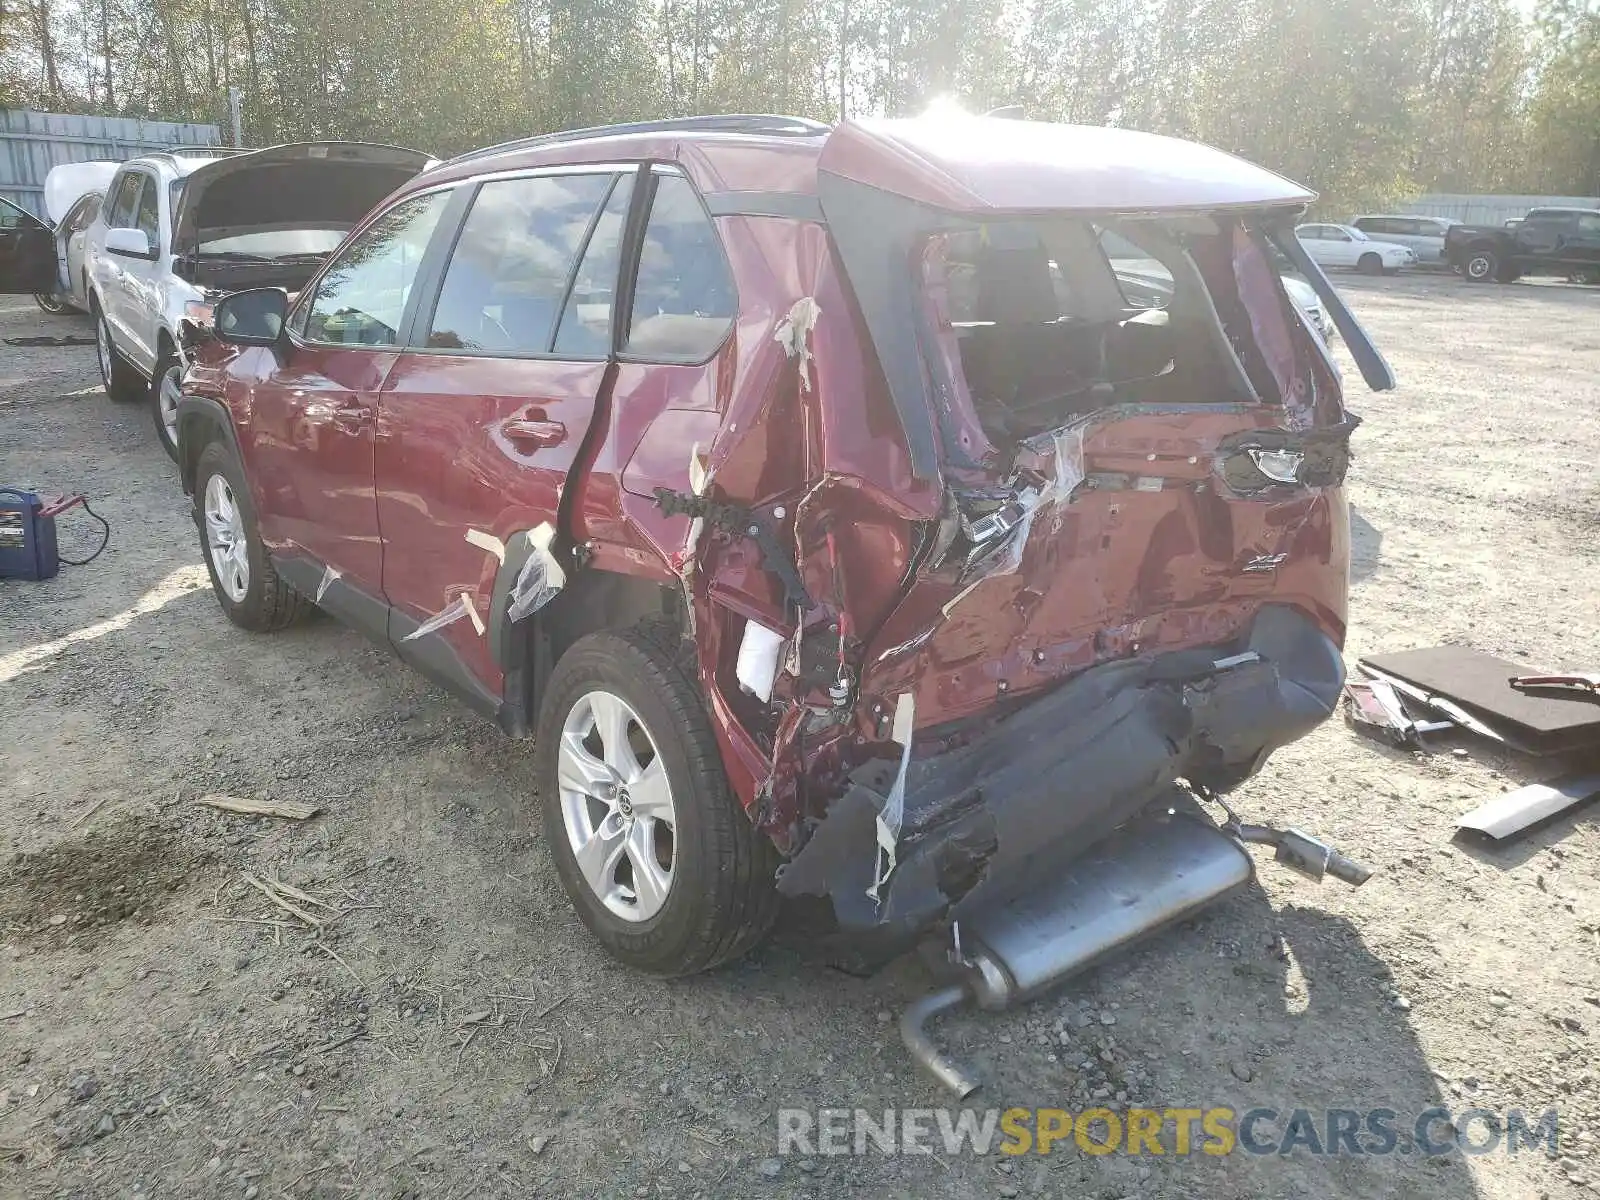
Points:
x=585, y=330
x=683, y=300
x=511, y=265
x=361, y=298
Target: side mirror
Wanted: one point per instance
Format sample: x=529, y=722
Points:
x=131, y=243
x=252, y=318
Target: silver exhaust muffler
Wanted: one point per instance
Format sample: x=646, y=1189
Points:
x=1149, y=874
x=1139, y=880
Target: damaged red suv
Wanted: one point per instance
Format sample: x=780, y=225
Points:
x=891, y=512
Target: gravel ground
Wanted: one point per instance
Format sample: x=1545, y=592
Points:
x=457, y=1033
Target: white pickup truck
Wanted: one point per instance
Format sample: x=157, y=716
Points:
x=179, y=230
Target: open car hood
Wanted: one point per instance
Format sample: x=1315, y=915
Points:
x=68, y=182
x=315, y=184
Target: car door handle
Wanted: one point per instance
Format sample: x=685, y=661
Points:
x=528, y=431
x=352, y=416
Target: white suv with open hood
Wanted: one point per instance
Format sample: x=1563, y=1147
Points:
x=180, y=230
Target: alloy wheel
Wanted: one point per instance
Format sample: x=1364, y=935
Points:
x=169, y=392
x=102, y=349
x=1478, y=267
x=616, y=805
x=225, y=539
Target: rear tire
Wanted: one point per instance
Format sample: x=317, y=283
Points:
x=720, y=897
x=122, y=383
x=252, y=594
x=164, y=395
x=1370, y=264
x=1480, y=266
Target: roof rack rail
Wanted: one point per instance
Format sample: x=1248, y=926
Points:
x=753, y=123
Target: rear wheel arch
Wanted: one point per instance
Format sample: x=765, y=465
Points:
x=590, y=601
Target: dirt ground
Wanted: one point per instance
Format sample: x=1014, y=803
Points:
x=456, y=1033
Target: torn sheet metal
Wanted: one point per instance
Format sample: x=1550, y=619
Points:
x=1515, y=811
x=794, y=334
x=461, y=608
x=1067, y=472
x=487, y=542
x=892, y=816
x=541, y=576
x=329, y=574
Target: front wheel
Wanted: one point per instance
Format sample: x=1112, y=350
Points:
x=247, y=586
x=165, y=392
x=52, y=303
x=656, y=854
x=1370, y=264
x=1481, y=266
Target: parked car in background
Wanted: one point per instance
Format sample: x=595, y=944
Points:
x=1546, y=241
x=1424, y=235
x=1346, y=246
x=72, y=195
x=72, y=278
x=646, y=438
x=179, y=230
x=1145, y=282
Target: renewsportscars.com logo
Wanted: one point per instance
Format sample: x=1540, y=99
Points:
x=1176, y=1132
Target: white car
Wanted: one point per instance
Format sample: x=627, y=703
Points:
x=72, y=196
x=1347, y=246
x=179, y=230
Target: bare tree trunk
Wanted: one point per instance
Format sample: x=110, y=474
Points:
x=47, y=50
x=844, y=55
x=105, y=52
x=251, y=59
x=694, y=84
x=672, y=65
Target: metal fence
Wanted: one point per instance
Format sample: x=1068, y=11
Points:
x=33, y=142
x=1491, y=210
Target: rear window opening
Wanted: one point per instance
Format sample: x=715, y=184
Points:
x=1037, y=322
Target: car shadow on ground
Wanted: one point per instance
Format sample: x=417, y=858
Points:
x=1366, y=546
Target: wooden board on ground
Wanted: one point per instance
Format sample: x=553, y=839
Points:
x=289, y=810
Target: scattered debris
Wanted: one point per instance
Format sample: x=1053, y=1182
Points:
x=289, y=810
x=1474, y=689
x=1441, y=704
x=1374, y=707
x=1515, y=811
x=282, y=900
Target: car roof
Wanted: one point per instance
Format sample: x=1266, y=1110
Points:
x=1557, y=210
x=977, y=165
x=179, y=161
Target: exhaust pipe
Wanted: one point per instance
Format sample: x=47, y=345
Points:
x=927, y=1055
x=1139, y=880
x=1311, y=857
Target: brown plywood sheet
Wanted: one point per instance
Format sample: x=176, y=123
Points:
x=1480, y=682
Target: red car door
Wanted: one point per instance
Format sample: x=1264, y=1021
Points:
x=308, y=439
x=481, y=420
